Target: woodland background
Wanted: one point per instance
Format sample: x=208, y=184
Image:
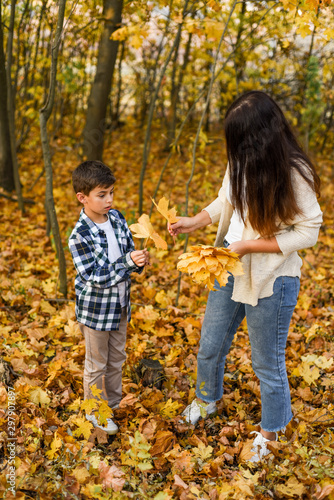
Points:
x=144, y=85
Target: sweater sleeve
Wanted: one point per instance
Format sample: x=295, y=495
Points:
x=304, y=231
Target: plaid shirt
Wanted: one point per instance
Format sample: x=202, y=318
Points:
x=97, y=299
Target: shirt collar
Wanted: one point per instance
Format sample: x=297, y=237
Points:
x=84, y=219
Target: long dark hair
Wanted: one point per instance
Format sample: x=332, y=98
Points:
x=262, y=153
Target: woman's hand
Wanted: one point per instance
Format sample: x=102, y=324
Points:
x=189, y=224
x=239, y=247
x=140, y=257
x=183, y=225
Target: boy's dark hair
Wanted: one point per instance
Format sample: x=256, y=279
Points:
x=91, y=174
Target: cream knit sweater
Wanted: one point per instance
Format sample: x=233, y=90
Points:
x=262, y=269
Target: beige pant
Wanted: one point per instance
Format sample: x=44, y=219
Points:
x=105, y=355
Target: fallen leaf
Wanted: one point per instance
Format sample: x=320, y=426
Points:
x=112, y=477
x=179, y=482
x=164, y=441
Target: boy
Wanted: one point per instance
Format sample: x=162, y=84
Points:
x=104, y=257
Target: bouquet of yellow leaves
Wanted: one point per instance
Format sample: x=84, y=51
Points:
x=206, y=264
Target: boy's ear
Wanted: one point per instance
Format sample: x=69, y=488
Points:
x=81, y=197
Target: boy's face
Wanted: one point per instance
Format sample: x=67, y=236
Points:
x=97, y=203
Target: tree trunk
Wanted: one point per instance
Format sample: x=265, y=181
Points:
x=44, y=115
x=11, y=108
x=93, y=133
x=6, y=164
x=115, y=117
x=147, y=143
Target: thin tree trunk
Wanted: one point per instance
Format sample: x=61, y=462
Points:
x=44, y=115
x=93, y=134
x=116, y=114
x=147, y=143
x=174, y=97
x=6, y=164
x=11, y=108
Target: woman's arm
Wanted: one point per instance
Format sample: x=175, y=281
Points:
x=189, y=224
x=262, y=245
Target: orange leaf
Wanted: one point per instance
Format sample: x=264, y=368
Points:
x=144, y=229
x=164, y=442
x=206, y=264
x=162, y=207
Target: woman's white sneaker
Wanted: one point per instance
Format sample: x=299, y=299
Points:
x=197, y=410
x=110, y=428
x=259, y=447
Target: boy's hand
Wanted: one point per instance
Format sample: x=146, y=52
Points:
x=140, y=257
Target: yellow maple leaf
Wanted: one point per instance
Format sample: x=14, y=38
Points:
x=144, y=229
x=54, y=448
x=170, y=408
x=203, y=452
x=88, y=405
x=95, y=391
x=84, y=427
x=291, y=488
x=309, y=373
x=206, y=264
x=104, y=412
x=81, y=474
x=168, y=213
x=75, y=405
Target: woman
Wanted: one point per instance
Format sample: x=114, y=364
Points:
x=267, y=210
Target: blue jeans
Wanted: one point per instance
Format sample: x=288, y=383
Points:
x=268, y=325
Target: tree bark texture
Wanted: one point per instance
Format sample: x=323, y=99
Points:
x=93, y=134
x=6, y=164
x=11, y=108
x=44, y=115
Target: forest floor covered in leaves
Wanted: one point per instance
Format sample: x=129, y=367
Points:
x=58, y=453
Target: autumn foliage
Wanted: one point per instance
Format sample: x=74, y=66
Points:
x=206, y=264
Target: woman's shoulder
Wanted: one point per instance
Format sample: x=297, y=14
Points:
x=302, y=174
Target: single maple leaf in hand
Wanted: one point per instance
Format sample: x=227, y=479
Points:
x=144, y=229
x=168, y=213
x=206, y=264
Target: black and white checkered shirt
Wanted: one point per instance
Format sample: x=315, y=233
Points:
x=97, y=299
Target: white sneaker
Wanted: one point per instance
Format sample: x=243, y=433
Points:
x=197, y=410
x=110, y=428
x=259, y=447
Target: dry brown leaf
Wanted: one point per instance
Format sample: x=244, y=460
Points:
x=164, y=441
x=112, y=476
x=128, y=400
x=98, y=435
